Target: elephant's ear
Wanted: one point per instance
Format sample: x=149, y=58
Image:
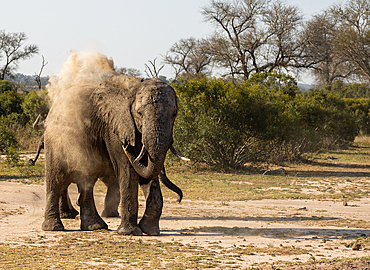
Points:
x=112, y=102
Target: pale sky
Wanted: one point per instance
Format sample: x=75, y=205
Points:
x=131, y=32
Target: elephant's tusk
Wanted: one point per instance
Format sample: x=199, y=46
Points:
x=130, y=156
x=140, y=156
x=173, y=150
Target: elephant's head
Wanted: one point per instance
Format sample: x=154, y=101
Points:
x=142, y=114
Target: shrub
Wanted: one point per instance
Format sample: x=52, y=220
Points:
x=6, y=86
x=10, y=102
x=263, y=119
x=360, y=108
x=8, y=142
x=12, y=157
x=7, y=136
x=33, y=102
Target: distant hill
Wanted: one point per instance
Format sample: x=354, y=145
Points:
x=27, y=81
x=304, y=87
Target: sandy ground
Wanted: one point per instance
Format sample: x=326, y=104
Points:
x=265, y=223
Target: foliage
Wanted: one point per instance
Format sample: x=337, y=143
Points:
x=33, y=103
x=10, y=102
x=356, y=97
x=7, y=136
x=8, y=142
x=349, y=90
x=265, y=118
x=12, y=157
x=6, y=86
x=360, y=108
x=18, y=112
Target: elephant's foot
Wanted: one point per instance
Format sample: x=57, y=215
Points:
x=129, y=230
x=92, y=225
x=149, y=227
x=71, y=214
x=110, y=213
x=52, y=225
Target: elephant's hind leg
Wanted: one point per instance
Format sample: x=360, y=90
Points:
x=90, y=219
x=149, y=223
x=112, y=198
x=66, y=208
x=52, y=220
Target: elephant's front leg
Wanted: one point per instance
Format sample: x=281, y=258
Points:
x=149, y=224
x=129, y=181
x=90, y=219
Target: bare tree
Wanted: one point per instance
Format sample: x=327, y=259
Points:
x=189, y=57
x=255, y=36
x=326, y=65
x=152, y=71
x=128, y=71
x=352, y=43
x=12, y=48
x=233, y=45
x=38, y=76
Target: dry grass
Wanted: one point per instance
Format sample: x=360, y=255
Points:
x=342, y=177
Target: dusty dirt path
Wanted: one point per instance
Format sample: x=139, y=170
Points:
x=319, y=228
x=21, y=210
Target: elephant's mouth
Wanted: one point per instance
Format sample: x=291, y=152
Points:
x=143, y=163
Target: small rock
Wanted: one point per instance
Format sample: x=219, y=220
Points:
x=356, y=247
x=345, y=203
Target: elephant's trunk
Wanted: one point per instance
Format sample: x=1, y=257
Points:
x=148, y=171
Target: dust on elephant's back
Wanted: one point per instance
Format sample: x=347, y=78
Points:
x=66, y=125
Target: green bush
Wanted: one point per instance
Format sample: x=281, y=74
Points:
x=8, y=142
x=349, y=90
x=12, y=157
x=33, y=102
x=360, y=108
x=263, y=119
x=6, y=86
x=7, y=136
x=10, y=102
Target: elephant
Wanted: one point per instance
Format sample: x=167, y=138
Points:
x=121, y=130
x=112, y=198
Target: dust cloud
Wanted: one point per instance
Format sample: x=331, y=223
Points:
x=69, y=92
x=82, y=69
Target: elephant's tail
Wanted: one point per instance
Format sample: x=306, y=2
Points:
x=41, y=146
x=167, y=182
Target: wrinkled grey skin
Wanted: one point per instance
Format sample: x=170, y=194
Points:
x=121, y=116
